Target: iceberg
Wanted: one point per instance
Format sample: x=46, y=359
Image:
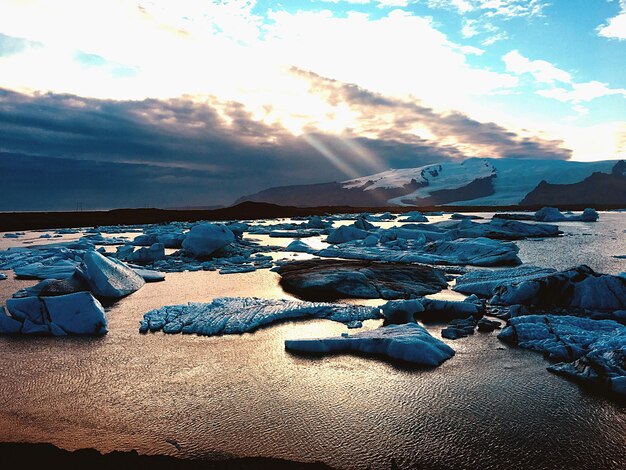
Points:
x=590, y=351
x=484, y=282
x=73, y=314
x=346, y=233
x=149, y=254
x=578, y=287
x=475, y=251
x=108, y=277
x=231, y=315
x=409, y=311
x=335, y=279
x=503, y=229
x=552, y=214
x=409, y=342
x=205, y=239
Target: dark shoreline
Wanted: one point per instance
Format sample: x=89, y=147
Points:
x=12, y=221
x=43, y=455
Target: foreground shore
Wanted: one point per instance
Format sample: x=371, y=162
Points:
x=34, y=455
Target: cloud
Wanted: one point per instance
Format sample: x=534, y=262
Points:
x=567, y=89
x=615, y=28
x=407, y=121
x=492, y=8
x=10, y=46
x=218, y=150
x=542, y=71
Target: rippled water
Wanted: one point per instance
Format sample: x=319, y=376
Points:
x=490, y=406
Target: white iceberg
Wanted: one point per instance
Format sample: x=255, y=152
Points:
x=346, y=233
x=409, y=342
x=591, y=351
x=74, y=314
x=108, y=277
x=578, y=287
x=205, y=239
x=484, y=282
x=231, y=315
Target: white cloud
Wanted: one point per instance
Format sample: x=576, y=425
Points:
x=615, y=28
x=542, y=71
x=567, y=90
x=504, y=8
x=582, y=92
x=392, y=3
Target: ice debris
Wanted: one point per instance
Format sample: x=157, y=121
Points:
x=409, y=342
x=230, y=315
x=73, y=314
x=590, y=351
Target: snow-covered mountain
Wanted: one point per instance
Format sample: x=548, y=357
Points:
x=473, y=182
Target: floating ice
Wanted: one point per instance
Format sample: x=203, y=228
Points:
x=409, y=342
x=503, y=229
x=229, y=315
x=205, y=239
x=149, y=254
x=592, y=351
x=346, y=233
x=476, y=251
x=484, y=282
x=552, y=214
x=403, y=311
x=108, y=277
x=414, y=216
x=334, y=279
x=578, y=287
x=299, y=247
x=73, y=314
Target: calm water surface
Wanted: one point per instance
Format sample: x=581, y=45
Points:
x=490, y=406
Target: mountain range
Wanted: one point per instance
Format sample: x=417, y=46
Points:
x=472, y=182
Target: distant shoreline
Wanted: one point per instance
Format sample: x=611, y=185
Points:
x=44, y=455
x=12, y=221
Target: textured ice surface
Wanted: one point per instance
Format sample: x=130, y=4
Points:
x=475, y=251
x=578, y=287
x=108, y=277
x=346, y=233
x=552, y=214
x=591, y=351
x=409, y=342
x=205, y=239
x=73, y=314
x=229, y=315
x=503, y=229
x=334, y=279
x=483, y=282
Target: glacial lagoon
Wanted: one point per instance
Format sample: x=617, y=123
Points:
x=491, y=405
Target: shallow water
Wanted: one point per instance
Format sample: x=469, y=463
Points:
x=490, y=406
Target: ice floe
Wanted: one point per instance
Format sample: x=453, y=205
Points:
x=483, y=282
x=578, y=287
x=73, y=314
x=552, y=214
x=205, y=239
x=409, y=342
x=230, y=315
x=108, y=277
x=334, y=279
x=476, y=251
x=591, y=351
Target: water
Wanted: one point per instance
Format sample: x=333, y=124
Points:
x=490, y=406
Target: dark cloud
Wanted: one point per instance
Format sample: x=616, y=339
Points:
x=108, y=153
x=493, y=139
x=61, y=149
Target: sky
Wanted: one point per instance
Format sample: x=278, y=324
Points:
x=195, y=102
